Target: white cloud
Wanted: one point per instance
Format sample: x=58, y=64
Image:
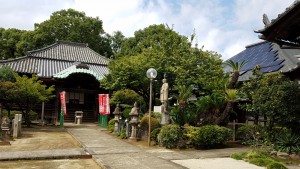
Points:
x=225, y=26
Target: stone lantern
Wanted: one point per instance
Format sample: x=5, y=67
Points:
x=117, y=114
x=134, y=121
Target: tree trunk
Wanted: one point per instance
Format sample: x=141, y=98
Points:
x=234, y=79
x=224, y=118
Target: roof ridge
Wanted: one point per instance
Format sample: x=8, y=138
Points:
x=72, y=43
x=257, y=43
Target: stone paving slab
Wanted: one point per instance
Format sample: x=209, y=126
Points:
x=44, y=154
x=134, y=160
x=216, y=163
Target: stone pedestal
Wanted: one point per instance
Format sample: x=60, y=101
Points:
x=117, y=118
x=134, y=121
x=165, y=117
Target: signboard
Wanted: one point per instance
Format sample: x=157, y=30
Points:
x=104, y=104
x=63, y=102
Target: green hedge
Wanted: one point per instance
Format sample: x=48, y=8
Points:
x=208, y=136
x=171, y=135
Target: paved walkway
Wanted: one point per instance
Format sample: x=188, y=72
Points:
x=112, y=153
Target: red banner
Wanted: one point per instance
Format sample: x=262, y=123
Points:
x=63, y=102
x=104, y=104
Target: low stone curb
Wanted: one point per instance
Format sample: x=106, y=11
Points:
x=45, y=154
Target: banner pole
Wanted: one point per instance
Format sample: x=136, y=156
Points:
x=61, y=119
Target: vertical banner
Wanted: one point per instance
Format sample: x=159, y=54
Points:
x=63, y=102
x=104, y=107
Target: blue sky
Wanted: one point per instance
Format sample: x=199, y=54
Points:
x=224, y=26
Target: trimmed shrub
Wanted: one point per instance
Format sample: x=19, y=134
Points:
x=126, y=112
x=191, y=133
x=276, y=165
x=170, y=135
x=154, y=135
x=111, y=125
x=209, y=136
x=145, y=121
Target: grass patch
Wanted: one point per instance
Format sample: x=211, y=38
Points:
x=259, y=158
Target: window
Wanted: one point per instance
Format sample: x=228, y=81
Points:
x=75, y=98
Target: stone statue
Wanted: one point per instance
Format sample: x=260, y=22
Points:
x=164, y=94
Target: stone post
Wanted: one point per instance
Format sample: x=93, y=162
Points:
x=117, y=114
x=17, y=124
x=134, y=121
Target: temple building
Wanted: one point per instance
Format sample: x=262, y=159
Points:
x=280, y=50
x=71, y=67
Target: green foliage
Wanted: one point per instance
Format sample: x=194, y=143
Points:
x=11, y=114
x=276, y=165
x=252, y=135
x=9, y=39
x=288, y=143
x=154, y=135
x=126, y=112
x=209, y=136
x=168, y=52
x=236, y=68
x=171, y=135
x=274, y=96
x=126, y=98
x=32, y=115
x=259, y=158
x=66, y=25
x=261, y=161
x=123, y=133
x=144, y=123
x=276, y=131
x=238, y=156
x=7, y=75
x=111, y=125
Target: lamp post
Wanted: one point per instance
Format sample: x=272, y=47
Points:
x=151, y=74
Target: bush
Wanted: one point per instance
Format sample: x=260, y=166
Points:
x=145, y=121
x=191, y=134
x=111, y=125
x=252, y=135
x=123, y=134
x=154, y=135
x=171, y=135
x=288, y=143
x=275, y=132
x=276, y=165
x=210, y=135
x=33, y=115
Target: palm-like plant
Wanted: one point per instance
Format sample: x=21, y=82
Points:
x=184, y=93
x=236, y=68
x=230, y=96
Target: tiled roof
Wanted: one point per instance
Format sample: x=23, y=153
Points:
x=55, y=58
x=269, y=56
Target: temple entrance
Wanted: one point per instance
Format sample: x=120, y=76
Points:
x=82, y=91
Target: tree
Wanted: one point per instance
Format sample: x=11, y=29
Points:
x=275, y=97
x=126, y=98
x=116, y=40
x=7, y=87
x=71, y=25
x=236, y=68
x=8, y=42
x=28, y=92
x=160, y=47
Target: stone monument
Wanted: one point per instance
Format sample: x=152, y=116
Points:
x=5, y=126
x=117, y=114
x=134, y=121
x=17, y=125
x=164, y=94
